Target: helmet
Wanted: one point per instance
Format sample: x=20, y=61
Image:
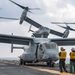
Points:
x=73, y=49
x=62, y=49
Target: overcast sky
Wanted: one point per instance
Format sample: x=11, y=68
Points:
x=51, y=11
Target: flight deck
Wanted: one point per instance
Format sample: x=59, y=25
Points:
x=13, y=68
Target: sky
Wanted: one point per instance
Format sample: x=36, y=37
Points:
x=51, y=11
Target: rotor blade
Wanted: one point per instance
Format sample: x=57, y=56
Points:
x=66, y=28
x=72, y=29
x=9, y=18
x=17, y=4
x=34, y=9
x=61, y=23
x=57, y=22
x=30, y=11
x=62, y=27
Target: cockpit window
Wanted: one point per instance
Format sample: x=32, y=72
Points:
x=47, y=46
x=50, y=45
x=53, y=45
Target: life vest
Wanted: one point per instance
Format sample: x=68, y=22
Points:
x=20, y=57
x=72, y=55
x=62, y=55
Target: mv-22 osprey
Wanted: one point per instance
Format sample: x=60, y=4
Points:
x=40, y=48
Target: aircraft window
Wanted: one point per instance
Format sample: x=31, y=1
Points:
x=41, y=47
x=47, y=45
x=50, y=45
x=53, y=45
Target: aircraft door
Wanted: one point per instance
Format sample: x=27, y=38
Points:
x=40, y=51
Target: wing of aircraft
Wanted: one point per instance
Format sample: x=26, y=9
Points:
x=25, y=40
x=64, y=41
x=32, y=22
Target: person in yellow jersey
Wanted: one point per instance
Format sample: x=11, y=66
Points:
x=62, y=58
x=72, y=60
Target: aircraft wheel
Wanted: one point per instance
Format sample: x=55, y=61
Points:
x=47, y=63
x=24, y=63
x=21, y=61
x=50, y=64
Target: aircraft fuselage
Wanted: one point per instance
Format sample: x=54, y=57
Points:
x=41, y=50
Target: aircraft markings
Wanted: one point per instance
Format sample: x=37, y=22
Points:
x=49, y=71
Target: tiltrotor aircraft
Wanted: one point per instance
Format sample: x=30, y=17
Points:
x=40, y=48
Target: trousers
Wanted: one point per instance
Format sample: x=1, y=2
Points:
x=72, y=66
x=62, y=65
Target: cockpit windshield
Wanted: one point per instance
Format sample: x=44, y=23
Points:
x=53, y=45
x=47, y=45
x=50, y=45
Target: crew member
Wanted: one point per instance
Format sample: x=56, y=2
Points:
x=62, y=57
x=72, y=60
x=20, y=59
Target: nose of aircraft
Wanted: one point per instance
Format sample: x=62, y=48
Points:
x=53, y=54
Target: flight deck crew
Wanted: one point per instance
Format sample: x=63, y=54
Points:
x=72, y=60
x=62, y=57
x=20, y=59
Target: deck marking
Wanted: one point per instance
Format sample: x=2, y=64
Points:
x=46, y=70
x=49, y=71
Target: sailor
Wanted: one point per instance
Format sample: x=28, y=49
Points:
x=20, y=59
x=62, y=57
x=72, y=60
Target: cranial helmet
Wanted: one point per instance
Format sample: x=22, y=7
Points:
x=62, y=49
x=73, y=49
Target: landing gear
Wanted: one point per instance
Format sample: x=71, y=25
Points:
x=22, y=62
x=50, y=64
